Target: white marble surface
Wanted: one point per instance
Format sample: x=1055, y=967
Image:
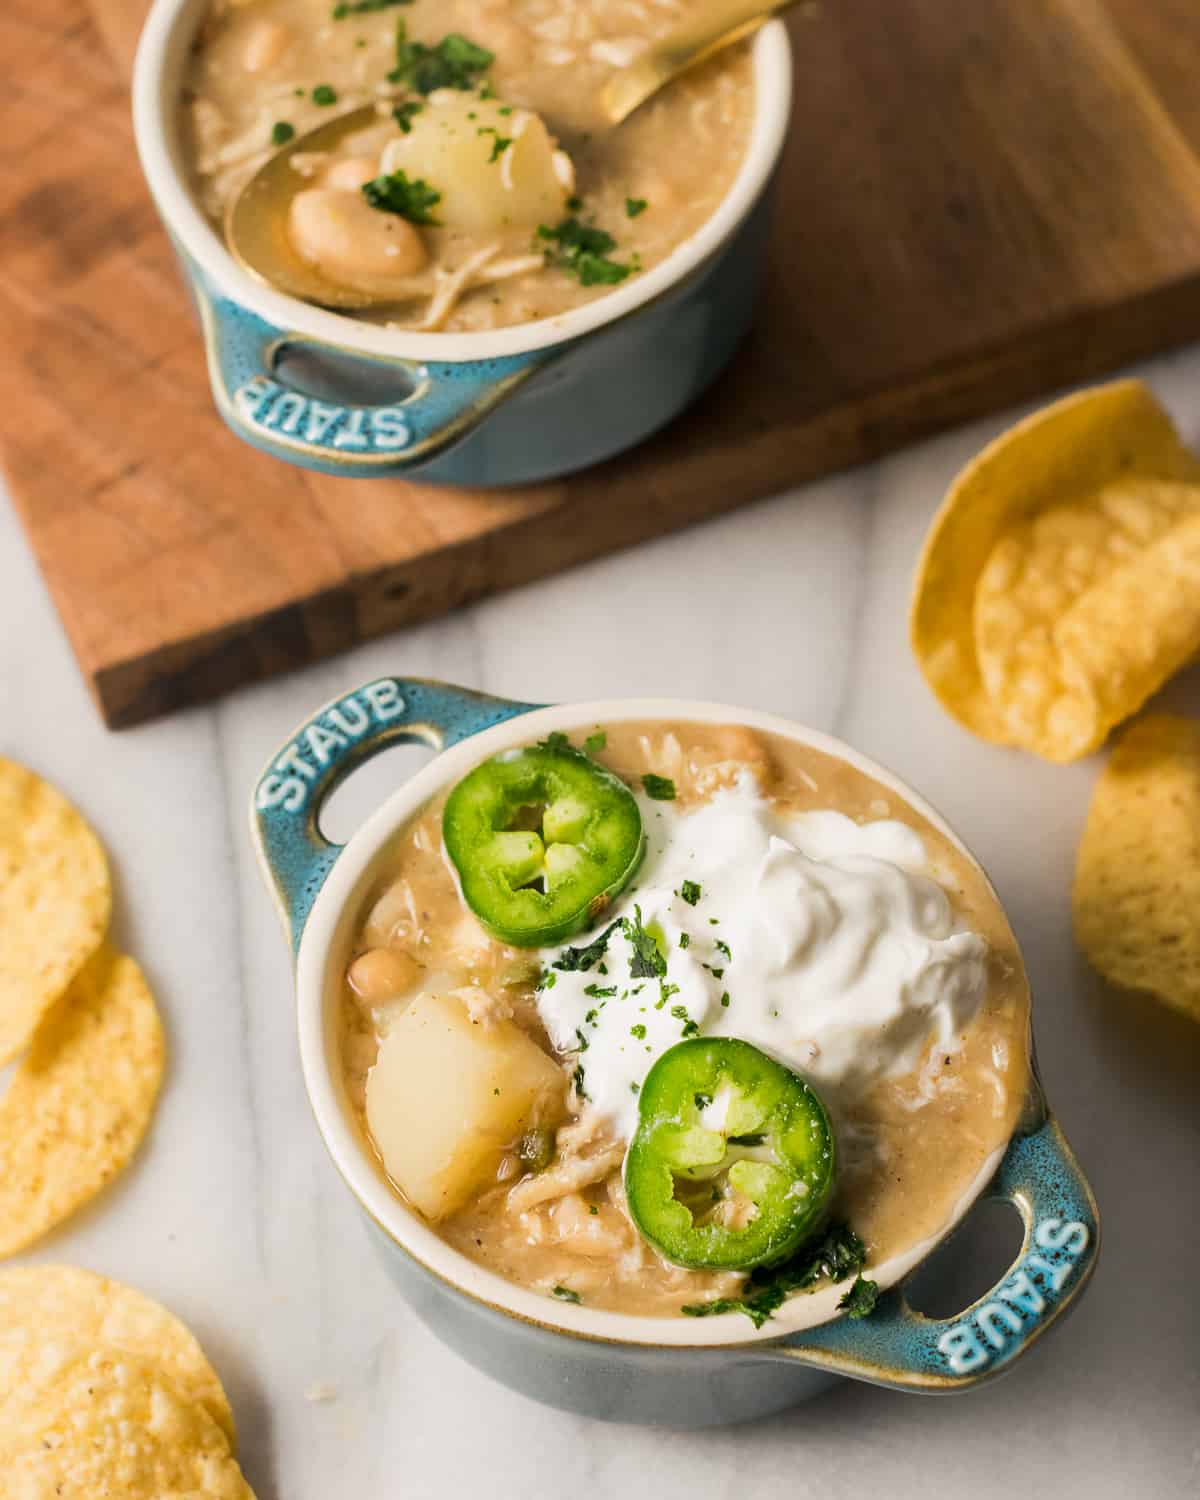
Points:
x=234, y=1216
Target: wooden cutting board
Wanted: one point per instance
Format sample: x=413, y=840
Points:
x=979, y=202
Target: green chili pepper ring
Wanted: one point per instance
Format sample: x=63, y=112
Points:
x=732, y=1164
x=542, y=839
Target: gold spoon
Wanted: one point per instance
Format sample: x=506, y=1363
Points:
x=256, y=221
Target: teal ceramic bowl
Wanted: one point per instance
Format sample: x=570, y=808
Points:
x=508, y=406
x=670, y=1371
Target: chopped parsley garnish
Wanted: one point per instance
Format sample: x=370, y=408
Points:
x=722, y=947
x=665, y=991
x=582, y=249
x=580, y=960
x=716, y=973
x=838, y=1256
x=548, y=980
x=647, y=961
x=684, y=940
x=596, y=992
x=635, y=206
x=346, y=8
x=404, y=112
x=690, y=1028
x=860, y=1300
x=577, y=1081
x=396, y=194
x=659, y=788
x=638, y=1031
x=590, y=1018
x=595, y=742
x=501, y=143
x=583, y=1041
x=324, y=93
x=282, y=133
x=690, y=892
x=565, y=1294
x=455, y=63
x=555, y=741
x=725, y=999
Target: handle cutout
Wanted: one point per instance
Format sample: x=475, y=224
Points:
x=967, y=1265
x=367, y=785
x=343, y=379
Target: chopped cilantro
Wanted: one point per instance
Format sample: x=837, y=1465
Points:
x=592, y=1209
x=595, y=742
x=565, y=1294
x=659, y=788
x=638, y=1031
x=635, y=206
x=455, y=63
x=635, y=1088
x=501, y=143
x=665, y=991
x=577, y=1080
x=860, y=1300
x=725, y=999
x=596, y=992
x=395, y=194
x=684, y=940
x=690, y=891
x=583, y=1041
x=574, y=205
x=716, y=973
x=690, y=1028
x=582, y=249
x=702, y=1101
x=404, y=112
x=346, y=8
x=324, y=93
x=580, y=960
x=548, y=980
x=722, y=947
x=838, y=1256
x=647, y=961
x=282, y=133
x=679, y=1012
x=555, y=741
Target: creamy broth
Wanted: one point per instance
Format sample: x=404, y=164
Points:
x=261, y=68
x=910, y=1145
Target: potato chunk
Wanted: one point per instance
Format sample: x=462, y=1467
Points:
x=495, y=167
x=447, y=1095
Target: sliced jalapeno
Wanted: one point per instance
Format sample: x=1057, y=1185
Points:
x=542, y=840
x=732, y=1163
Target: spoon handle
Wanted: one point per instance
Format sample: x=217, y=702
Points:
x=720, y=23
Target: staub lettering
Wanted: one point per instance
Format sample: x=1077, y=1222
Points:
x=266, y=404
x=1020, y=1301
x=288, y=784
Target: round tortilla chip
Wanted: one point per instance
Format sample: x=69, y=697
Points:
x=81, y=1100
x=1096, y=454
x=80, y=1422
x=1137, y=874
x=64, y=1302
x=55, y=900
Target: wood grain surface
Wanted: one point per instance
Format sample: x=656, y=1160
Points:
x=979, y=202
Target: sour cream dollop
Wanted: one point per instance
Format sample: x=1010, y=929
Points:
x=825, y=942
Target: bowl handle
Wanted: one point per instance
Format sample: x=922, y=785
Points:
x=289, y=795
x=440, y=402
x=899, y=1347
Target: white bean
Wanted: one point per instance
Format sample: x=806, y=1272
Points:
x=264, y=44
x=351, y=242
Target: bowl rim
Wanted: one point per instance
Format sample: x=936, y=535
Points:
x=317, y=980
x=161, y=54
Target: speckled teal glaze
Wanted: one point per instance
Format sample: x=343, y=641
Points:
x=686, y=1385
x=515, y=420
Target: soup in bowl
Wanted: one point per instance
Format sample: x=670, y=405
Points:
x=577, y=286
x=660, y=1042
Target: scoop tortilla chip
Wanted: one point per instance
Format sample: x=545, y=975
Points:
x=61, y=1302
x=55, y=901
x=1137, y=874
x=1060, y=583
x=80, y=1101
x=80, y=1422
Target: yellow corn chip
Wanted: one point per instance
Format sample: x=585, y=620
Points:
x=55, y=901
x=1137, y=874
x=1059, y=586
x=81, y=1100
x=57, y=1302
x=80, y=1422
